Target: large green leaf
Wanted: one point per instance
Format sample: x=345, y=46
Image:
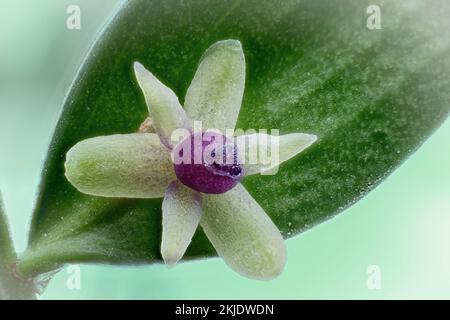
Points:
x=11, y=286
x=372, y=97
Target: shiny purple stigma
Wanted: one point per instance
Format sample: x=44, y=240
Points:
x=208, y=162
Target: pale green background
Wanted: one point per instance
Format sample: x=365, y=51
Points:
x=403, y=226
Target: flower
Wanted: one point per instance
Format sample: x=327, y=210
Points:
x=141, y=165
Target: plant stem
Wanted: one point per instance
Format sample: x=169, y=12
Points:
x=11, y=286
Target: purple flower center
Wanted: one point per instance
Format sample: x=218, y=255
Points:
x=208, y=162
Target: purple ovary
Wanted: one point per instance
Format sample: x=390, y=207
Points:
x=208, y=162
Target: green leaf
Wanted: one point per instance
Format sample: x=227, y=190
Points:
x=10, y=286
x=371, y=96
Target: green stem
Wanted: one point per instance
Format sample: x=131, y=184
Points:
x=12, y=287
x=40, y=263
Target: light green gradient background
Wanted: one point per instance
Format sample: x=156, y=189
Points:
x=403, y=226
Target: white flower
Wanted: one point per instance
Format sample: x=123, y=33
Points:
x=139, y=166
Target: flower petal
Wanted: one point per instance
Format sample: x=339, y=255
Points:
x=215, y=94
x=163, y=105
x=243, y=235
x=181, y=215
x=126, y=166
x=263, y=153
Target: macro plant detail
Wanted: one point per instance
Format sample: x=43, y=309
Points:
x=200, y=180
x=371, y=96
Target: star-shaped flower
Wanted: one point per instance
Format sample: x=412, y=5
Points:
x=205, y=192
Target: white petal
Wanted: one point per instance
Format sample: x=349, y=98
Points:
x=243, y=235
x=163, y=105
x=263, y=153
x=125, y=166
x=215, y=94
x=181, y=215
